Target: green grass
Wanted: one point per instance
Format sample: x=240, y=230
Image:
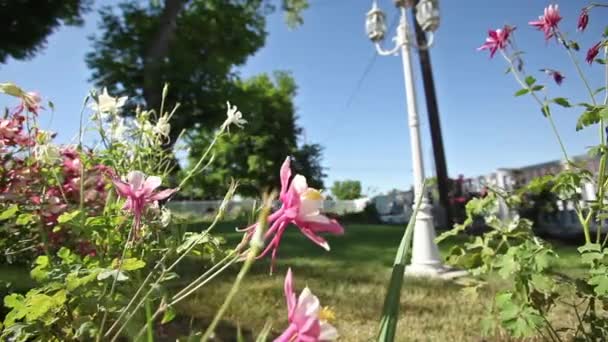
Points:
x=352, y=280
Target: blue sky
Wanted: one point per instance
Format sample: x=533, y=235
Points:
x=366, y=138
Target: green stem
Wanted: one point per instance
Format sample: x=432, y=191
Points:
x=250, y=259
x=200, y=161
x=113, y=287
x=149, y=322
x=539, y=101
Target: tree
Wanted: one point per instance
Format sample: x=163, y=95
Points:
x=193, y=45
x=346, y=190
x=26, y=24
x=255, y=154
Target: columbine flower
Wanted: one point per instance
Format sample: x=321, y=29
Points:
x=307, y=320
x=118, y=129
x=583, y=19
x=139, y=192
x=31, y=102
x=301, y=206
x=497, y=39
x=592, y=53
x=106, y=104
x=548, y=22
x=162, y=126
x=558, y=77
x=234, y=117
x=46, y=153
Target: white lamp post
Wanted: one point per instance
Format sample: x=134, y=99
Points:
x=425, y=254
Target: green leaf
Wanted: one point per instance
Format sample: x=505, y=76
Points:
x=600, y=61
x=9, y=212
x=605, y=34
x=604, y=113
x=537, y=87
x=67, y=256
x=14, y=300
x=562, y=101
x=590, y=247
x=530, y=80
x=588, y=118
x=601, y=284
x=40, y=272
x=390, y=308
x=542, y=283
x=67, y=217
x=599, y=90
x=574, y=45
x=522, y=91
x=25, y=219
x=168, y=316
x=129, y=264
x=545, y=110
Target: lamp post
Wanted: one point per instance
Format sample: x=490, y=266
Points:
x=425, y=254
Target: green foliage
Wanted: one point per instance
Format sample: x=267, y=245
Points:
x=346, y=190
x=255, y=156
x=32, y=21
x=192, y=45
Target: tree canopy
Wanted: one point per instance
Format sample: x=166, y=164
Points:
x=254, y=155
x=194, y=45
x=26, y=24
x=346, y=190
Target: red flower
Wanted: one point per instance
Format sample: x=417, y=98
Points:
x=497, y=39
x=583, y=19
x=548, y=22
x=592, y=53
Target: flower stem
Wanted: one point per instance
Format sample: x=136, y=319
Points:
x=517, y=77
x=113, y=287
x=250, y=259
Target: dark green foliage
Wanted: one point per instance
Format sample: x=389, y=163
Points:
x=26, y=24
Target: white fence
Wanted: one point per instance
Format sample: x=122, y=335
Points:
x=244, y=206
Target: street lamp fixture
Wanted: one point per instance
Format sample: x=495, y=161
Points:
x=427, y=15
x=425, y=254
x=375, y=24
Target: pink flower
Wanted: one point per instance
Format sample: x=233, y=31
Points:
x=497, y=39
x=558, y=77
x=139, y=192
x=548, y=22
x=306, y=318
x=592, y=53
x=301, y=206
x=583, y=19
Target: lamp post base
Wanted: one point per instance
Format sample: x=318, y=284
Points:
x=436, y=271
x=426, y=260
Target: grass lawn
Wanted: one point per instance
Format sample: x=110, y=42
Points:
x=352, y=280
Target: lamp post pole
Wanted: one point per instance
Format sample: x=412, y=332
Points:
x=425, y=254
x=441, y=169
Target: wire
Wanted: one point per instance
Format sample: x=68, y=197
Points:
x=355, y=91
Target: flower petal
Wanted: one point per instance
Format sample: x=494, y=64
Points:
x=290, y=296
x=122, y=188
x=136, y=179
x=161, y=195
x=328, y=332
x=299, y=184
x=285, y=174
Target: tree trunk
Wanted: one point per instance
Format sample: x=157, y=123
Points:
x=157, y=51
